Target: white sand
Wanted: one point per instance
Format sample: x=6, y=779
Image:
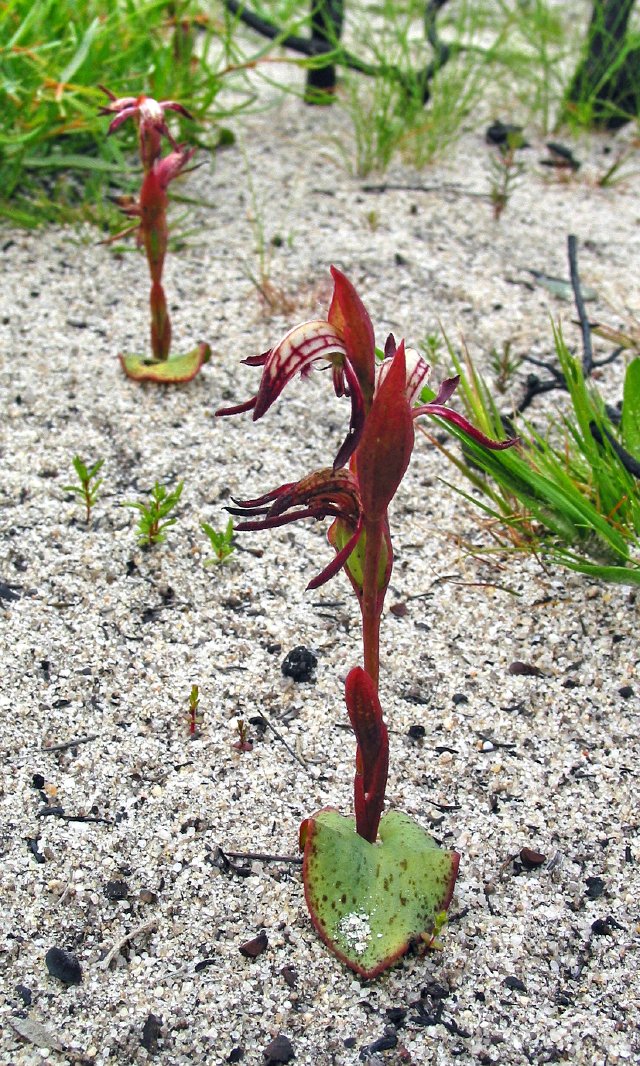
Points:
x=97, y=644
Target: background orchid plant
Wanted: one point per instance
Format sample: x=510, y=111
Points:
x=375, y=884
x=151, y=229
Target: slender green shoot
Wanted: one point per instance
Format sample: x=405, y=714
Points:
x=89, y=488
x=221, y=542
x=568, y=493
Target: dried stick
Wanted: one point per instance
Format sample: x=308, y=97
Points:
x=69, y=743
x=283, y=741
x=146, y=927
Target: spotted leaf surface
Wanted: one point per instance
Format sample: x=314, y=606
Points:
x=368, y=902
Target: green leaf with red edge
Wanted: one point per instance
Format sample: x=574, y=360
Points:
x=174, y=371
x=350, y=317
x=384, y=451
x=370, y=902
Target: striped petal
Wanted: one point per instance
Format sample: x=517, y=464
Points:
x=295, y=354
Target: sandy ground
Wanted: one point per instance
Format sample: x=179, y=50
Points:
x=104, y=641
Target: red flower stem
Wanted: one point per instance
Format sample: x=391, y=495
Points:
x=371, y=600
x=155, y=237
x=160, y=323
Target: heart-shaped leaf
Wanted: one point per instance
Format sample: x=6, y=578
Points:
x=173, y=371
x=368, y=902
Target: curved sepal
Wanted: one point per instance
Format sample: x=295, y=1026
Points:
x=371, y=902
x=174, y=371
x=349, y=316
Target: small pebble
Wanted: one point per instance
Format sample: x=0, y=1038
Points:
x=299, y=664
x=595, y=887
x=520, y=669
x=63, y=965
x=252, y=948
x=514, y=983
x=531, y=859
x=279, y=1050
x=26, y=995
x=151, y=1031
x=290, y=975
x=116, y=890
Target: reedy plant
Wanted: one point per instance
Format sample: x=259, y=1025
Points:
x=575, y=502
x=408, y=110
x=369, y=899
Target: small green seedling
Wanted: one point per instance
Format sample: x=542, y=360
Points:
x=243, y=743
x=151, y=527
x=195, y=714
x=89, y=487
x=221, y=542
x=505, y=170
x=504, y=365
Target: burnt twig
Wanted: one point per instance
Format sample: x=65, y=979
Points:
x=317, y=45
x=59, y=812
x=587, y=347
x=283, y=741
x=628, y=461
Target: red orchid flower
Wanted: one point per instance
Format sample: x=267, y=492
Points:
x=149, y=116
x=344, y=341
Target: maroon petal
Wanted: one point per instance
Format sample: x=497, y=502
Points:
x=267, y=497
x=239, y=408
x=338, y=562
x=387, y=440
x=296, y=353
x=172, y=105
x=271, y=521
x=458, y=420
x=447, y=389
x=126, y=113
x=350, y=318
x=356, y=424
x=257, y=360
